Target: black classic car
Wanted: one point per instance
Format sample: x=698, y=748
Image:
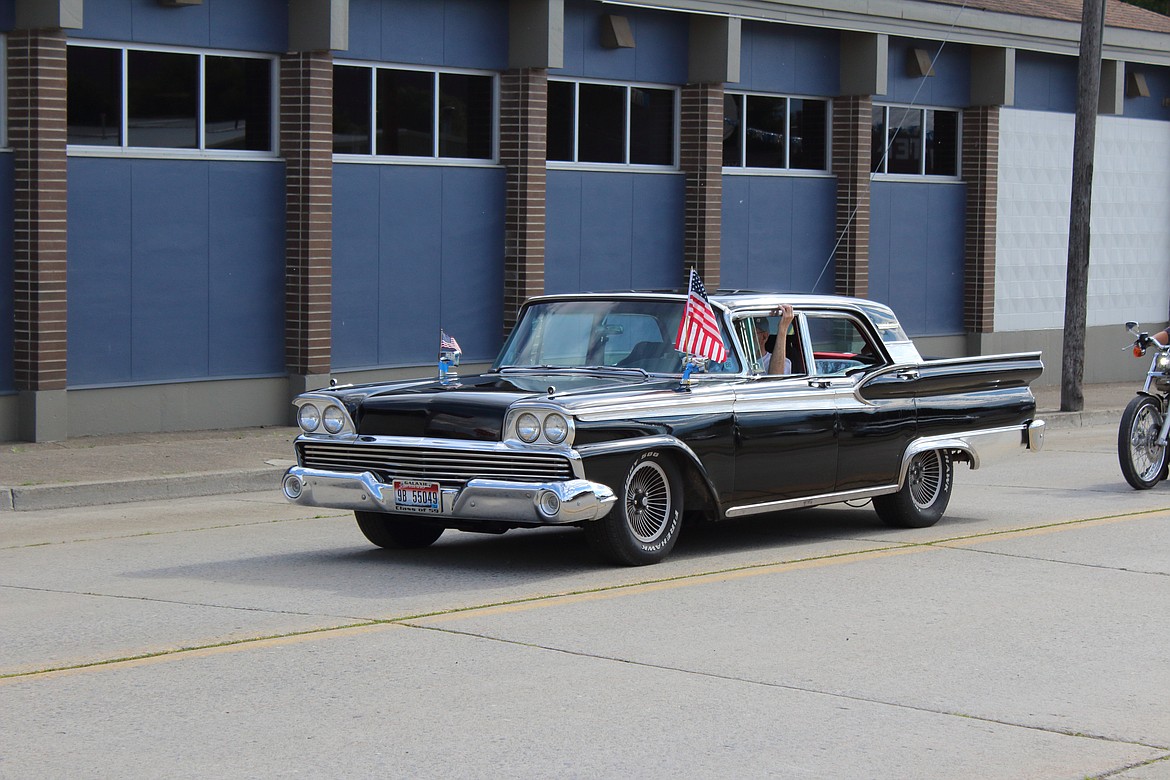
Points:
x=590, y=417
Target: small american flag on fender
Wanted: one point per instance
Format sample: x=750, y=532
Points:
x=447, y=343
x=698, y=333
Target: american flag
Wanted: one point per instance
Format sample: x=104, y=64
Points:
x=698, y=333
x=447, y=343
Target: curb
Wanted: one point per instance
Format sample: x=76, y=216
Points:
x=82, y=494
x=1099, y=417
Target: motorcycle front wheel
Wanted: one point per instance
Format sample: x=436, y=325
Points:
x=1142, y=460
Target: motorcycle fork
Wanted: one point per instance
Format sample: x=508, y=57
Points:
x=1165, y=429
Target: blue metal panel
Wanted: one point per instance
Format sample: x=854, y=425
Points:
x=795, y=60
x=1046, y=82
x=7, y=15
x=475, y=35
x=100, y=268
x=250, y=25
x=356, y=235
x=778, y=233
x=365, y=31
x=410, y=247
x=7, y=322
x=1158, y=81
x=170, y=294
x=658, y=245
x=412, y=31
x=416, y=248
x=185, y=26
x=607, y=223
x=472, y=274
x=562, y=264
x=449, y=33
x=949, y=86
x=246, y=269
x=660, y=54
x=733, y=262
x=613, y=231
x=113, y=23
x=246, y=25
x=916, y=254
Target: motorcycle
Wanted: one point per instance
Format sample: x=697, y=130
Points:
x=1141, y=437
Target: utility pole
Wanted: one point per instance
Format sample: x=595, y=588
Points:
x=1076, y=287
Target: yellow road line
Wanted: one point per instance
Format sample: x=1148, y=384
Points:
x=578, y=597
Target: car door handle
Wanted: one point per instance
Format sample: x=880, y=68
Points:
x=907, y=374
x=820, y=383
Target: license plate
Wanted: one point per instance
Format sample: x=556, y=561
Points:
x=412, y=495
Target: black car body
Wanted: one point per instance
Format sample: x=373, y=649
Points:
x=586, y=419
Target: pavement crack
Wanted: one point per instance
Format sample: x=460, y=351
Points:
x=178, y=602
x=791, y=687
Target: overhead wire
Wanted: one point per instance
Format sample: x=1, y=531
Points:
x=891, y=137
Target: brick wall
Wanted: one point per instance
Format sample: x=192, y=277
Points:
x=306, y=142
x=701, y=158
x=523, y=114
x=852, y=137
x=37, y=132
x=981, y=173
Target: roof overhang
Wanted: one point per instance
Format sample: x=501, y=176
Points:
x=932, y=21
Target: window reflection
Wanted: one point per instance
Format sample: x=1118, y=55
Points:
x=237, y=114
x=162, y=99
x=95, y=96
x=351, y=110
x=769, y=131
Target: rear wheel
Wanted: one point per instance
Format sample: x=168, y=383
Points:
x=1143, y=462
x=644, y=524
x=923, y=497
x=395, y=532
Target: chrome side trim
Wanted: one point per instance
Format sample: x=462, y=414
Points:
x=979, y=446
x=807, y=501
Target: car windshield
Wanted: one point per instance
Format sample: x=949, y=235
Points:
x=635, y=334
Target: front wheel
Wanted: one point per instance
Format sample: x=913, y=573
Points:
x=1142, y=460
x=924, y=496
x=395, y=532
x=644, y=524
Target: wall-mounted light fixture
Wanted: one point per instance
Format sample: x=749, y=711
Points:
x=616, y=32
x=1135, y=85
x=918, y=63
x=178, y=3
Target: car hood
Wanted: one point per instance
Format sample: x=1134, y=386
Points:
x=474, y=407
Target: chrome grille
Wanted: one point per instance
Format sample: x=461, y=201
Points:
x=451, y=468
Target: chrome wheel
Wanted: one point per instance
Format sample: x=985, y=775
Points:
x=926, y=478
x=648, y=501
x=1142, y=460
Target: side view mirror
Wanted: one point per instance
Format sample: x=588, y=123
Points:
x=1131, y=326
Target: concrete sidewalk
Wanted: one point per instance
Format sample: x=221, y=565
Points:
x=95, y=470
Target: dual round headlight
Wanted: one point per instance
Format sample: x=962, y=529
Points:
x=554, y=426
x=309, y=417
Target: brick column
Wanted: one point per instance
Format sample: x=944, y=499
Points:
x=701, y=158
x=523, y=141
x=306, y=142
x=852, y=131
x=37, y=133
x=981, y=173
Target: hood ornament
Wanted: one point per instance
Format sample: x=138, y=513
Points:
x=449, y=355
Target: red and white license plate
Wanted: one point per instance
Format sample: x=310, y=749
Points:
x=413, y=495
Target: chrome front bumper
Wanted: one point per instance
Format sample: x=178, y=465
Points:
x=544, y=503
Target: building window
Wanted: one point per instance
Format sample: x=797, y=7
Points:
x=771, y=132
x=915, y=141
x=611, y=124
x=397, y=112
x=155, y=99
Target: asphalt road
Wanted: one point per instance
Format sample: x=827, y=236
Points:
x=1024, y=636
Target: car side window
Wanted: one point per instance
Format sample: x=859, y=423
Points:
x=840, y=345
